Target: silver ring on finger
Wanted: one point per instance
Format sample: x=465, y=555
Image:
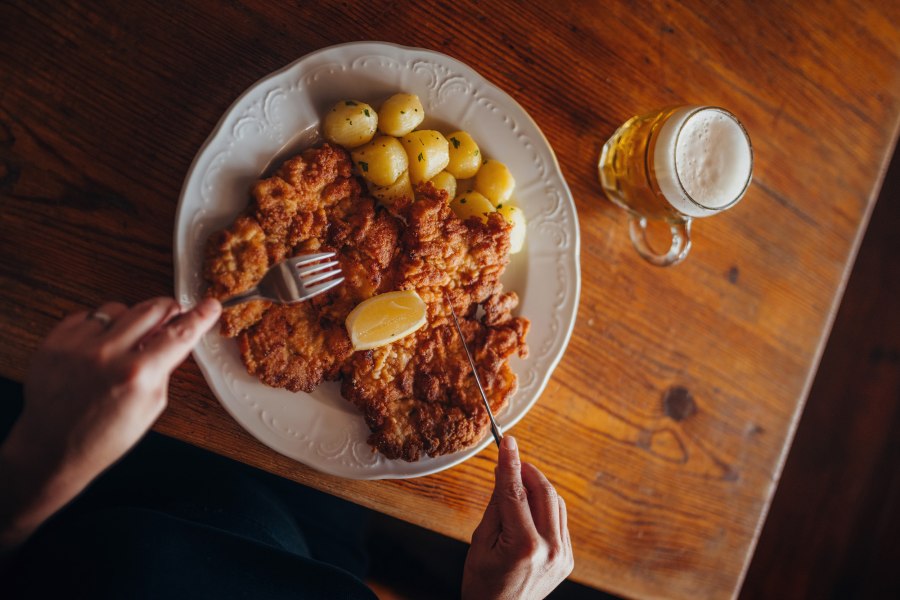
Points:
x=104, y=318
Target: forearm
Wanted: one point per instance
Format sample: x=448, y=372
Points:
x=34, y=486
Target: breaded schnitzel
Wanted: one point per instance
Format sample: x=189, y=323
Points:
x=417, y=394
x=312, y=202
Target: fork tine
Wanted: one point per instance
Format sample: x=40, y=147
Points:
x=304, y=259
x=320, y=277
x=317, y=267
x=322, y=287
x=307, y=259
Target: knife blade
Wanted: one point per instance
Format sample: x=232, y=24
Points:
x=495, y=429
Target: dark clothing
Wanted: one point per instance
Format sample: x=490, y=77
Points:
x=173, y=521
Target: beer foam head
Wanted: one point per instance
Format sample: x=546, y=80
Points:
x=703, y=160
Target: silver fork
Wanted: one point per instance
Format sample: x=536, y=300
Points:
x=293, y=280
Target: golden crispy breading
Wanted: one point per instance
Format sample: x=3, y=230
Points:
x=444, y=251
x=294, y=348
x=366, y=237
x=498, y=308
x=288, y=217
x=314, y=170
x=235, y=260
x=298, y=346
x=291, y=205
x=417, y=395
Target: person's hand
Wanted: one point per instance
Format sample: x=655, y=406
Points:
x=94, y=387
x=521, y=549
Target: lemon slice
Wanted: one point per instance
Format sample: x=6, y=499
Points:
x=385, y=318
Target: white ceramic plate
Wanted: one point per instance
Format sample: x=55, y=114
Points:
x=281, y=115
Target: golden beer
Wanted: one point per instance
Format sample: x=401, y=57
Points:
x=625, y=167
x=674, y=165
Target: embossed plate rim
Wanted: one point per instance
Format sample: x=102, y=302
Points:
x=259, y=125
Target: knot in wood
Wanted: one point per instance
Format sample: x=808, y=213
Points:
x=678, y=403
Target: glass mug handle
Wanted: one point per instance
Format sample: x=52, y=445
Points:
x=678, y=250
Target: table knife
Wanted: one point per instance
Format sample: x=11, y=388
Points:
x=495, y=429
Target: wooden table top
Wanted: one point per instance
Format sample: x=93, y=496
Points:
x=667, y=422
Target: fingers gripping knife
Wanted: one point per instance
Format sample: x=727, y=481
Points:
x=495, y=429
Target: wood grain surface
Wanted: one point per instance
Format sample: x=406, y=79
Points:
x=666, y=424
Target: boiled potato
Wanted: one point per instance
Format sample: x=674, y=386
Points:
x=427, y=153
x=400, y=114
x=472, y=204
x=381, y=161
x=465, y=157
x=515, y=217
x=387, y=195
x=350, y=123
x=445, y=181
x=495, y=182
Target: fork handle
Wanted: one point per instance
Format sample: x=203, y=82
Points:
x=251, y=294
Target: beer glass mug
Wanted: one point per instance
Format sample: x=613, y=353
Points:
x=674, y=165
